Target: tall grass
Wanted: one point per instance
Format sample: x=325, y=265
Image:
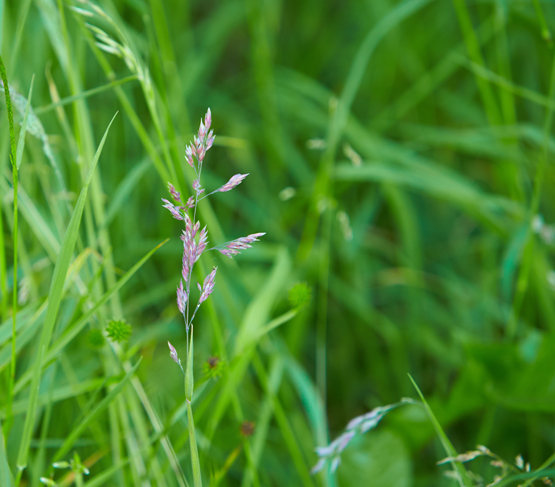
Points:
x=400, y=158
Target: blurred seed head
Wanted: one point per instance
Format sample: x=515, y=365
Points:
x=213, y=367
x=247, y=429
x=353, y=156
x=287, y=193
x=118, y=330
x=316, y=144
x=345, y=225
x=300, y=295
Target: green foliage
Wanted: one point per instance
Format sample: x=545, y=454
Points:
x=95, y=339
x=398, y=153
x=300, y=295
x=381, y=456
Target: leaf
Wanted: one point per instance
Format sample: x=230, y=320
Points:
x=54, y=298
x=449, y=449
x=380, y=456
x=197, y=479
x=63, y=341
x=5, y=474
x=258, y=312
x=84, y=423
x=21, y=141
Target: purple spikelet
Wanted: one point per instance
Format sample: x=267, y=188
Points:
x=234, y=181
x=173, y=353
x=235, y=246
x=181, y=297
x=208, y=286
x=174, y=210
x=176, y=195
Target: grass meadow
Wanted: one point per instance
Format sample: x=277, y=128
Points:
x=400, y=159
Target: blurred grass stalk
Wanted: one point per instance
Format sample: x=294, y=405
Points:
x=15, y=170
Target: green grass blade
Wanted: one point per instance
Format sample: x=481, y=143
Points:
x=341, y=113
x=546, y=33
x=125, y=188
x=5, y=474
x=23, y=131
x=85, y=94
x=54, y=298
x=257, y=314
x=93, y=414
x=475, y=54
x=11, y=379
x=531, y=476
x=197, y=479
x=9, y=109
x=65, y=339
x=462, y=477
x=101, y=479
x=312, y=403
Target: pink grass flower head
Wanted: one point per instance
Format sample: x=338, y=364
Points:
x=235, y=246
x=173, y=353
x=208, y=286
x=197, y=188
x=174, y=210
x=181, y=297
x=189, y=153
x=185, y=268
x=202, y=242
x=234, y=181
x=204, y=127
x=208, y=119
x=210, y=139
x=194, y=239
x=202, y=130
x=176, y=195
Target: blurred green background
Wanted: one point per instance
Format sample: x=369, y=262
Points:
x=401, y=163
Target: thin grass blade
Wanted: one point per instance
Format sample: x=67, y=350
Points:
x=64, y=340
x=23, y=131
x=462, y=477
x=5, y=474
x=100, y=408
x=54, y=298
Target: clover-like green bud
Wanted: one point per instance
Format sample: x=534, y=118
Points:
x=300, y=295
x=118, y=330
